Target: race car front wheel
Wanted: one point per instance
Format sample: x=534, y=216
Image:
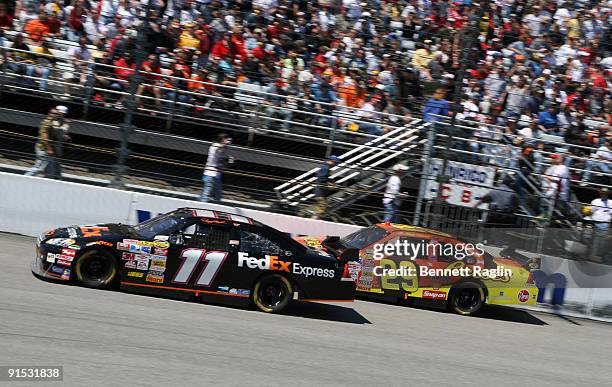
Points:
x=467, y=298
x=96, y=269
x=272, y=293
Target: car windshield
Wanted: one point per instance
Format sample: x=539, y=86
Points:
x=159, y=225
x=364, y=237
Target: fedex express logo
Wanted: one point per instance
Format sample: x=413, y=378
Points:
x=271, y=262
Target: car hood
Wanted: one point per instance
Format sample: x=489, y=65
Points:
x=88, y=232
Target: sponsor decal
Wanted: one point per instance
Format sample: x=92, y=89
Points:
x=233, y=291
x=93, y=231
x=72, y=232
x=101, y=243
x=62, y=242
x=128, y=256
x=68, y=258
x=155, y=276
x=130, y=265
x=142, y=263
x=146, y=243
x=128, y=241
x=244, y=292
x=75, y=247
x=68, y=252
x=214, y=221
x=51, y=257
x=434, y=295
x=523, y=295
x=159, y=251
x=312, y=271
x=234, y=242
x=161, y=237
x=136, y=274
x=145, y=249
x=134, y=248
x=50, y=233
x=63, y=262
x=223, y=289
x=66, y=274
x=57, y=269
x=123, y=246
x=158, y=263
x=269, y=262
x=161, y=244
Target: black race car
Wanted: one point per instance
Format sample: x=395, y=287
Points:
x=213, y=256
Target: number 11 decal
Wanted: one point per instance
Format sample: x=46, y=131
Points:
x=191, y=258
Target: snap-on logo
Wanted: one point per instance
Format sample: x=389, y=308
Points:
x=434, y=295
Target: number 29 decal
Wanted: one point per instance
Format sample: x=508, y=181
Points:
x=190, y=260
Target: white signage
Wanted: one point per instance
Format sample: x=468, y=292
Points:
x=460, y=190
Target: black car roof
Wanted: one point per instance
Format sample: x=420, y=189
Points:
x=213, y=214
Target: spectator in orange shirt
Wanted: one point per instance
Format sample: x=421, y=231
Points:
x=36, y=29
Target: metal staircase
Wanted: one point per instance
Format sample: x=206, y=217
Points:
x=360, y=172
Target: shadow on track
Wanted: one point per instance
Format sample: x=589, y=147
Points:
x=502, y=313
x=320, y=311
x=497, y=312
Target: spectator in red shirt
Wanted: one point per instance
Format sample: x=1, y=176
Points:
x=6, y=19
x=222, y=48
x=124, y=69
x=151, y=72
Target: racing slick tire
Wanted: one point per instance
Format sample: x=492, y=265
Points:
x=272, y=293
x=466, y=298
x=96, y=269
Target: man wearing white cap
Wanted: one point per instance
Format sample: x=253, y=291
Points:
x=48, y=147
x=393, y=197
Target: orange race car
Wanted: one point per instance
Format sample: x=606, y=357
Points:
x=400, y=262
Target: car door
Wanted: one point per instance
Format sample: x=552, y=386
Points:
x=200, y=255
x=260, y=250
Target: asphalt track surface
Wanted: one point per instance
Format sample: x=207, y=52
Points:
x=110, y=338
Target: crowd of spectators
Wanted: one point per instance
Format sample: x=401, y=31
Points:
x=535, y=67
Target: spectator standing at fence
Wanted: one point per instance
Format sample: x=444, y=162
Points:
x=321, y=190
x=436, y=106
x=53, y=131
x=503, y=203
x=213, y=171
x=600, y=160
x=392, y=199
x=555, y=185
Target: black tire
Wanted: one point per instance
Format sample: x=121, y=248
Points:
x=272, y=293
x=467, y=298
x=96, y=269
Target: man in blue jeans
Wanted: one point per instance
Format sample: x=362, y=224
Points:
x=392, y=199
x=215, y=164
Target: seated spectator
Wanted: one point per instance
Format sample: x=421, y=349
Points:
x=600, y=160
x=124, y=68
x=274, y=100
x=152, y=80
x=36, y=29
x=45, y=60
x=179, y=83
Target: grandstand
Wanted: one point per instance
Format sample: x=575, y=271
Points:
x=294, y=82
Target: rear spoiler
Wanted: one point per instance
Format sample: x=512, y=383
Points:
x=343, y=254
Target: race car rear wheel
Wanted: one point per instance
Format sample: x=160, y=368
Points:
x=96, y=269
x=272, y=293
x=467, y=298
